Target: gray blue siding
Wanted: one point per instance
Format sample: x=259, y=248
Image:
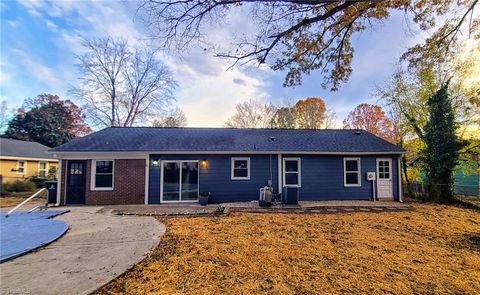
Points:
x=216, y=178
x=322, y=177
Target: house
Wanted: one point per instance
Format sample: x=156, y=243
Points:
x=145, y=165
x=22, y=159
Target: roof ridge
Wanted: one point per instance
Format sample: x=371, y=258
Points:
x=235, y=128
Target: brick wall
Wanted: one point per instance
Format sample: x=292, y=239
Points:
x=129, y=184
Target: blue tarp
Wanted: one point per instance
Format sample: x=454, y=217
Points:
x=23, y=232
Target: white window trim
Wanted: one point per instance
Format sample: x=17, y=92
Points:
x=93, y=169
x=299, y=172
x=390, y=164
x=232, y=162
x=359, y=171
x=24, y=167
x=46, y=168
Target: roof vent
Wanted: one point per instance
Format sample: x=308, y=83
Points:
x=358, y=131
x=272, y=138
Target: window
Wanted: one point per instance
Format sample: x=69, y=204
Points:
x=102, y=175
x=240, y=168
x=291, y=172
x=42, y=169
x=352, y=173
x=21, y=166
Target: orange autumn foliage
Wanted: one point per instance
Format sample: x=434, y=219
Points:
x=371, y=118
x=310, y=113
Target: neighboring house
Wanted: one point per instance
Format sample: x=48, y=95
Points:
x=22, y=159
x=142, y=165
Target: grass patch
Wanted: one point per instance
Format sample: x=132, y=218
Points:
x=433, y=249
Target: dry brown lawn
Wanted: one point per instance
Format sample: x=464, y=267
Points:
x=13, y=199
x=432, y=250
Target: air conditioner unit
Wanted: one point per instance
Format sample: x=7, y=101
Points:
x=371, y=176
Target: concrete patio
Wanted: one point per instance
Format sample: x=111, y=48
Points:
x=302, y=207
x=96, y=249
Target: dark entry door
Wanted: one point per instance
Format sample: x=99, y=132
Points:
x=76, y=182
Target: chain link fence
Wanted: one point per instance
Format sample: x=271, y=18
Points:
x=420, y=190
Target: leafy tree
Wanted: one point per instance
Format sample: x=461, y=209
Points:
x=171, y=118
x=372, y=119
x=120, y=85
x=252, y=114
x=48, y=120
x=441, y=154
x=310, y=113
x=299, y=37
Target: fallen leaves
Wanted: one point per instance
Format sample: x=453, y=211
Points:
x=428, y=250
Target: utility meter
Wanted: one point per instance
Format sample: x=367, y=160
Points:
x=371, y=176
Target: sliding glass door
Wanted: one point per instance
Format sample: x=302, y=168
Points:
x=179, y=181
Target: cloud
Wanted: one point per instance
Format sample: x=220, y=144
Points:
x=40, y=71
x=208, y=92
x=12, y=23
x=239, y=81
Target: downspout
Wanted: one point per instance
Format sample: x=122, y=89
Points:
x=399, y=176
x=271, y=173
x=59, y=182
x=279, y=158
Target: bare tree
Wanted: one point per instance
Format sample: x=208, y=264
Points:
x=284, y=118
x=252, y=114
x=299, y=36
x=171, y=118
x=330, y=119
x=121, y=86
x=5, y=115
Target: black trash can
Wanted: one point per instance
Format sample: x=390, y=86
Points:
x=51, y=186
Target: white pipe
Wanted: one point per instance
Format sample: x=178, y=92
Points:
x=400, y=197
x=22, y=203
x=59, y=182
x=279, y=163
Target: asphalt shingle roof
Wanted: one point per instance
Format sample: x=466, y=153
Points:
x=24, y=149
x=228, y=139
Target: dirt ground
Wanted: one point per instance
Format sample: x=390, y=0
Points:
x=431, y=250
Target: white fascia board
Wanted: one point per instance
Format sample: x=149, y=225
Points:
x=27, y=159
x=144, y=154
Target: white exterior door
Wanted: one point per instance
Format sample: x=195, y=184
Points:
x=384, y=179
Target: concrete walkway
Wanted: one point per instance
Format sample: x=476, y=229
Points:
x=98, y=247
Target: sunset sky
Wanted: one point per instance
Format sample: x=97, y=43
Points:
x=41, y=38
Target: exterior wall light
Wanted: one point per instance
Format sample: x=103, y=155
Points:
x=204, y=163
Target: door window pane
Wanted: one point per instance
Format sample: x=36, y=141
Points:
x=189, y=181
x=384, y=169
x=171, y=181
